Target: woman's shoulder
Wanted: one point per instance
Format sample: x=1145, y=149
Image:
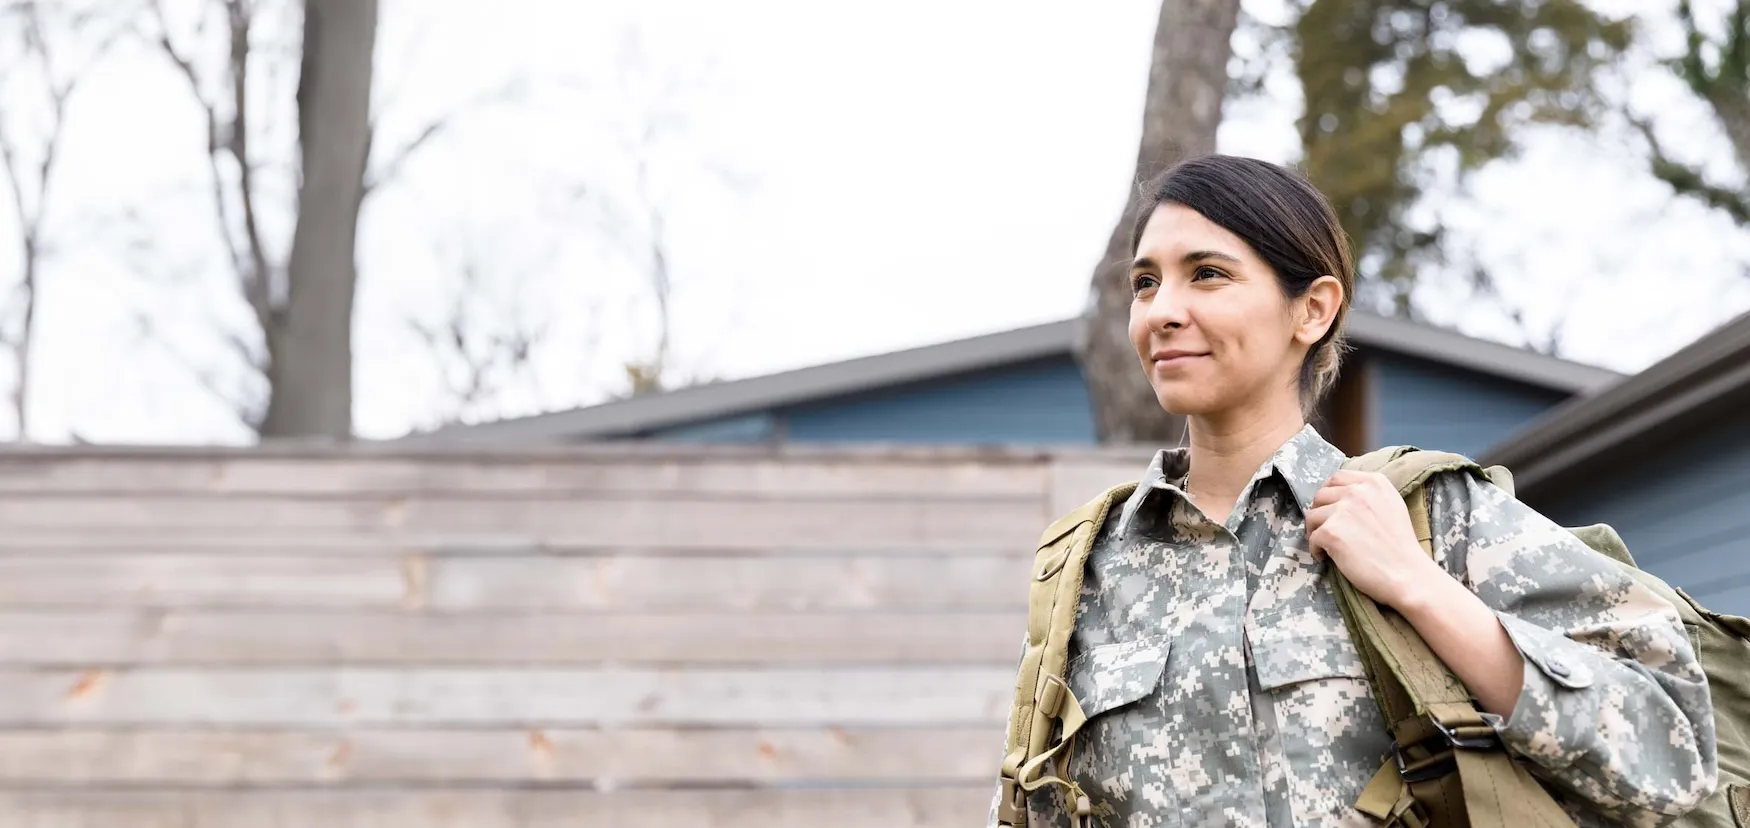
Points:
x=1475, y=495
x=1469, y=509
x=1482, y=531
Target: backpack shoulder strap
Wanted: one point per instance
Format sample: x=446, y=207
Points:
x=1408, y=467
x=1406, y=675
x=1447, y=765
x=1042, y=699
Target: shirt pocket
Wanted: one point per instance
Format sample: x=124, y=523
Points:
x=1110, y=676
x=1285, y=660
x=1324, y=731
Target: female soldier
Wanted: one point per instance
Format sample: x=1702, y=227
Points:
x=1221, y=685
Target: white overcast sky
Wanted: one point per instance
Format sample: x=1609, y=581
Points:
x=838, y=179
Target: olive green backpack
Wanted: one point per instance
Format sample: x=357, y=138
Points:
x=1447, y=766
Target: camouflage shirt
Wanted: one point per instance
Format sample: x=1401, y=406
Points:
x=1222, y=687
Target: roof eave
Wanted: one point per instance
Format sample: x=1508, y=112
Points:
x=727, y=399
x=1690, y=385
x=640, y=415
x=1441, y=345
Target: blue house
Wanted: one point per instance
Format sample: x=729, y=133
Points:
x=1664, y=457
x=1402, y=383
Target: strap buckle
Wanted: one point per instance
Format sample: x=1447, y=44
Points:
x=1440, y=760
x=1051, y=696
x=1011, y=803
x=1487, y=740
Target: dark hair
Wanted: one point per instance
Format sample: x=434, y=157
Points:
x=1288, y=222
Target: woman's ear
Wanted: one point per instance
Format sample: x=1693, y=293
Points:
x=1318, y=309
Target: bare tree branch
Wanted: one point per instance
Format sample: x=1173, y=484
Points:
x=251, y=273
x=387, y=170
x=166, y=275
x=391, y=168
x=33, y=207
x=248, y=413
x=1689, y=181
x=240, y=17
x=479, y=348
x=14, y=177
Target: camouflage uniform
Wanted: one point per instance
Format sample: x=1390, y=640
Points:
x=1222, y=687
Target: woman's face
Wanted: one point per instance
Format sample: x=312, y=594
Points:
x=1209, y=319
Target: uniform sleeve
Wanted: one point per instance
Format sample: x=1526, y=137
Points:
x=1614, y=708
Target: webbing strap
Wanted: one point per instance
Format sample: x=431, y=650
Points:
x=1458, y=771
x=1043, y=703
x=1389, y=801
x=1391, y=649
x=1029, y=776
x=1389, y=644
x=1501, y=792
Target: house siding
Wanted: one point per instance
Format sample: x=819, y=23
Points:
x=746, y=428
x=1046, y=402
x=1433, y=406
x=1040, y=402
x=1684, y=512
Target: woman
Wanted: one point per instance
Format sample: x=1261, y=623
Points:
x=1209, y=654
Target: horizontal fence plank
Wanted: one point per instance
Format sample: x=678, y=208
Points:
x=204, y=580
x=76, y=542
x=275, y=639
x=71, y=541
x=536, y=583
x=249, y=475
x=920, y=696
x=959, y=583
x=185, y=758
x=947, y=807
x=148, y=637
x=1072, y=483
x=647, y=521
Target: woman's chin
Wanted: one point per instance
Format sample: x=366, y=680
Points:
x=1182, y=405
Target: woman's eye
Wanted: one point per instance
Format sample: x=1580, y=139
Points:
x=1206, y=273
x=1141, y=283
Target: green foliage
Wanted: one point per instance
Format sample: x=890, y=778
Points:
x=1718, y=73
x=1393, y=86
x=1688, y=180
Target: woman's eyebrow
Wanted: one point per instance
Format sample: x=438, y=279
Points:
x=1196, y=256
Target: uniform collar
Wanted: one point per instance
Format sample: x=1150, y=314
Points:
x=1304, y=463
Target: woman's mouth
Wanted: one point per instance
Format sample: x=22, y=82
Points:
x=1176, y=359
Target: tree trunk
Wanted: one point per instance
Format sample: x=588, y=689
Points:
x=1186, y=83
x=311, y=370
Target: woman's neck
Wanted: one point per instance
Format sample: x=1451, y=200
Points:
x=1226, y=451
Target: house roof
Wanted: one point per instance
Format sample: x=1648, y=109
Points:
x=704, y=402
x=1693, y=386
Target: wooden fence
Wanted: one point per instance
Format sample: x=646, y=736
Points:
x=614, y=636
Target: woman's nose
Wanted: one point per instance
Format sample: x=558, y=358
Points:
x=1165, y=311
